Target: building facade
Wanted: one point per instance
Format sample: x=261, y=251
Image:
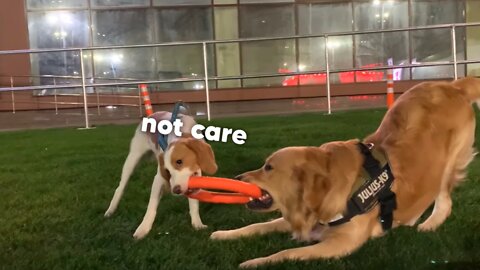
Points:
x=87, y=23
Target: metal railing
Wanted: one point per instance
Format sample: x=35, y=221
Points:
x=327, y=70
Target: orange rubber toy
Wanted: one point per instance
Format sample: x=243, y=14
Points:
x=242, y=191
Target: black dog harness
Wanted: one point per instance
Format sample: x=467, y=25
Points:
x=377, y=190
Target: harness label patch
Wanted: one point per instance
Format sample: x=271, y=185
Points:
x=366, y=196
x=374, y=187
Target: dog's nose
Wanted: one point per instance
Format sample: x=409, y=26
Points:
x=177, y=189
x=239, y=177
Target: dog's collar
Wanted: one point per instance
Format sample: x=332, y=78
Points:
x=375, y=189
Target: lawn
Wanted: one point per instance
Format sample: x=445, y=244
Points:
x=56, y=184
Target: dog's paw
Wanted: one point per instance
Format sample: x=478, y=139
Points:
x=141, y=232
x=427, y=227
x=253, y=263
x=109, y=213
x=199, y=226
x=221, y=235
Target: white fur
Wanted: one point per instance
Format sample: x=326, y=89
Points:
x=140, y=144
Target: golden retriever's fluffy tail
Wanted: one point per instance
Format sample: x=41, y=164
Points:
x=471, y=87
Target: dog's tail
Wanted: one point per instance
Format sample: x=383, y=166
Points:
x=471, y=87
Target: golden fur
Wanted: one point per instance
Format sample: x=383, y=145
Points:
x=427, y=135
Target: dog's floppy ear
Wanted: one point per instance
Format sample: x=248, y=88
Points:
x=313, y=176
x=335, y=169
x=163, y=171
x=204, y=153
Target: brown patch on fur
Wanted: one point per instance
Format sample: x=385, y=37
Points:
x=163, y=171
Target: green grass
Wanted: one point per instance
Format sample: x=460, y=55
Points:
x=56, y=184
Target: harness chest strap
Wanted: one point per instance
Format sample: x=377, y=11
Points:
x=375, y=190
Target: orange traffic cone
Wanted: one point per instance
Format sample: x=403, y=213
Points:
x=146, y=99
x=390, y=93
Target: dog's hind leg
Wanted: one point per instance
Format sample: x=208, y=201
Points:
x=441, y=210
x=138, y=147
x=155, y=196
x=454, y=173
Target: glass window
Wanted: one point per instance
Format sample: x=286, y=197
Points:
x=266, y=21
x=103, y=3
x=135, y=63
x=434, y=45
x=47, y=4
x=316, y=19
x=228, y=63
x=185, y=61
x=224, y=2
x=57, y=29
x=227, y=54
x=473, y=37
x=267, y=57
x=122, y=27
x=265, y=1
x=180, y=2
x=184, y=24
x=380, y=49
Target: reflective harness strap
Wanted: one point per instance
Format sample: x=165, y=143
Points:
x=162, y=139
x=375, y=191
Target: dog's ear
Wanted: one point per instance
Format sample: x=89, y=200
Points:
x=333, y=170
x=163, y=171
x=313, y=177
x=204, y=153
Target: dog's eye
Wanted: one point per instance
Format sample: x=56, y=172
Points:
x=179, y=161
x=268, y=167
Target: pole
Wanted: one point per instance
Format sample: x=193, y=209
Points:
x=454, y=52
x=327, y=66
x=55, y=95
x=85, y=104
x=13, y=95
x=98, y=101
x=205, y=67
x=140, y=101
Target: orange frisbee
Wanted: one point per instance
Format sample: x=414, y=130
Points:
x=241, y=192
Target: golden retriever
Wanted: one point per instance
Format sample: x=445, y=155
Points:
x=427, y=136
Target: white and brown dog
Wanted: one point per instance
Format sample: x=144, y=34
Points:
x=183, y=158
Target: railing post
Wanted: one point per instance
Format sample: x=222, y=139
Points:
x=454, y=52
x=98, y=101
x=85, y=104
x=327, y=67
x=207, y=90
x=140, y=101
x=55, y=95
x=13, y=95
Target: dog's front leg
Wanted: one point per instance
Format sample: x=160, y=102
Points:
x=149, y=218
x=335, y=245
x=277, y=225
x=195, y=215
